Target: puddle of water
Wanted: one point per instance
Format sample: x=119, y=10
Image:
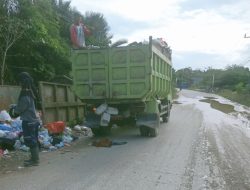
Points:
x=225, y=108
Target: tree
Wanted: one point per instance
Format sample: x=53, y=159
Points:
x=232, y=76
x=11, y=30
x=184, y=77
x=43, y=50
x=99, y=28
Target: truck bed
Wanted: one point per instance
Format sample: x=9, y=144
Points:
x=133, y=72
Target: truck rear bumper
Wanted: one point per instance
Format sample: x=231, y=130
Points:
x=151, y=120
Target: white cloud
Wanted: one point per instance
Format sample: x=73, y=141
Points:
x=218, y=31
x=139, y=10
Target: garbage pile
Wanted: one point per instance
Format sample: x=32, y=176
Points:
x=10, y=131
x=51, y=137
x=163, y=46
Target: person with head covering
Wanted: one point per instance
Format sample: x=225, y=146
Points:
x=78, y=31
x=25, y=108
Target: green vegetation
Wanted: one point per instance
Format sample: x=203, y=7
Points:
x=241, y=98
x=233, y=82
x=35, y=37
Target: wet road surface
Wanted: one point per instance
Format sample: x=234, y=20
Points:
x=200, y=148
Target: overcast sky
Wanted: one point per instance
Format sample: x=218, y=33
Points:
x=201, y=33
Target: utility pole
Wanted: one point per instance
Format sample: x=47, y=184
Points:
x=212, y=84
x=245, y=36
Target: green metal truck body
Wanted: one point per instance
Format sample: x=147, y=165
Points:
x=135, y=76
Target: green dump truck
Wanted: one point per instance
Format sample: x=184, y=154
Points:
x=126, y=85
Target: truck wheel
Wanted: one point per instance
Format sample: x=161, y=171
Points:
x=153, y=132
x=165, y=118
x=144, y=131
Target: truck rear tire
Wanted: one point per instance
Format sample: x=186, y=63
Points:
x=165, y=118
x=148, y=132
x=144, y=131
x=153, y=132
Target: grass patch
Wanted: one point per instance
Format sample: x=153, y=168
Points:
x=210, y=98
x=243, y=99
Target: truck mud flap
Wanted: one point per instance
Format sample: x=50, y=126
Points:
x=151, y=120
x=92, y=120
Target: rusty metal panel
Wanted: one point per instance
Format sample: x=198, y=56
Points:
x=8, y=95
x=59, y=103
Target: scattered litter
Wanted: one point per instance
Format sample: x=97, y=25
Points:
x=67, y=139
x=77, y=128
x=68, y=131
x=24, y=148
x=102, y=143
x=60, y=145
x=20, y=167
x=17, y=144
x=5, y=127
x=83, y=130
x=105, y=142
x=4, y=116
x=66, y=144
x=1, y=152
x=52, y=148
x=51, y=137
x=2, y=133
x=5, y=152
x=55, y=127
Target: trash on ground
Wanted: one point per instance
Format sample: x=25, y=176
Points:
x=4, y=116
x=105, y=142
x=51, y=137
x=55, y=127
x=5, y=152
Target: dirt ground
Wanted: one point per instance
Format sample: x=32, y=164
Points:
x=13, y=161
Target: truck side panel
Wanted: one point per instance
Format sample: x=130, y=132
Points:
x=161, y=74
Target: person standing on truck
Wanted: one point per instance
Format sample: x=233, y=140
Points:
x=30, y=123
x=77, y=33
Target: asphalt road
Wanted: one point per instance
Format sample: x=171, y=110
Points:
x=187, y=154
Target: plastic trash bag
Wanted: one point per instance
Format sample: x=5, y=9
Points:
x=4, y=116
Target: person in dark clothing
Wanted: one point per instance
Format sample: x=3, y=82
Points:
x=30, y=123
